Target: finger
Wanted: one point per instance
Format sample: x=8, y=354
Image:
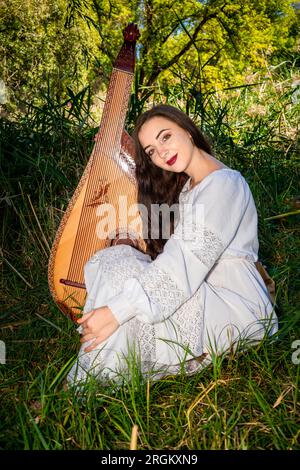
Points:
x=105, y=334
x=85, y=317
x=86, y=338
x=94, y=345
x=85, y=331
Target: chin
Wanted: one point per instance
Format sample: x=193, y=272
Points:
x=176, y=168
x=172, y=170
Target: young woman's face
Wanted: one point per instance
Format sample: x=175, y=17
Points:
x=168, y=145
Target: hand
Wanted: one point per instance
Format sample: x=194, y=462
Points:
x=99, y=324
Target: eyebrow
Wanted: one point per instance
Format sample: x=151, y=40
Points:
x=156, y=137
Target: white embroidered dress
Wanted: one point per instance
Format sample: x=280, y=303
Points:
x=201, y=295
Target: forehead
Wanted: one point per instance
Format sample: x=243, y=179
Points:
x=151, y=128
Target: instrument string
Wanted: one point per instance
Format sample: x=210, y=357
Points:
x=115, y=138
x=79, y=247
x=83, y=231
x=79, y=253
x=115, y=117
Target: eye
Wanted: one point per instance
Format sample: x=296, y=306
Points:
x=166, y=137
x=150, y=153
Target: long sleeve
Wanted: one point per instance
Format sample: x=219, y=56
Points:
x=206, y=227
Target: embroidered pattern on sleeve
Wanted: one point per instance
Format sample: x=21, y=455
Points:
x=203, y=242
x=162, y=289
x=115, y=266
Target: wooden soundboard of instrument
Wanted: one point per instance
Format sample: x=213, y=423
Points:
x=104, y=203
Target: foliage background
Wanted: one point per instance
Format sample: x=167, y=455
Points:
x=47, y=46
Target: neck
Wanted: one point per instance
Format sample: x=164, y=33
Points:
x=197, y=166
x=201, y=165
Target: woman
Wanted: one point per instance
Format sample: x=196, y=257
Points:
x=193, y=295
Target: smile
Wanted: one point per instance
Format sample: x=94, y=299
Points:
x=172, y=160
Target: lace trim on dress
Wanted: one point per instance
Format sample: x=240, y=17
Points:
x=162, y=289
x=186, y=324
x=114, y=253
x=188, y=321
x=115, y=266
x=145, y=335
x=185, y=339
x=203, y=242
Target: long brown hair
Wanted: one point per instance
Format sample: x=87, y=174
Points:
x=156, y=185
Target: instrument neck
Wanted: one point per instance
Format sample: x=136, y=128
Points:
x=116, y=104
x=108, y=137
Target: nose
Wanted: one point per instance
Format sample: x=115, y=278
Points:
x=163, y=154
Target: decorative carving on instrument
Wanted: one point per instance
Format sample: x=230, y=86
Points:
x=100, y=195
x=126, y=58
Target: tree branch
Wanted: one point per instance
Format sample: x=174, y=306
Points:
x=158, y=69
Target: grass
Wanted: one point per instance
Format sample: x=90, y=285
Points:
x=245, y=401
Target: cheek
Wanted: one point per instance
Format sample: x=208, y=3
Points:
x=183, y=139
x=185, y=145
x=190, y=144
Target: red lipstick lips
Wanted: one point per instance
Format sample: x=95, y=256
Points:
x=172, y=160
